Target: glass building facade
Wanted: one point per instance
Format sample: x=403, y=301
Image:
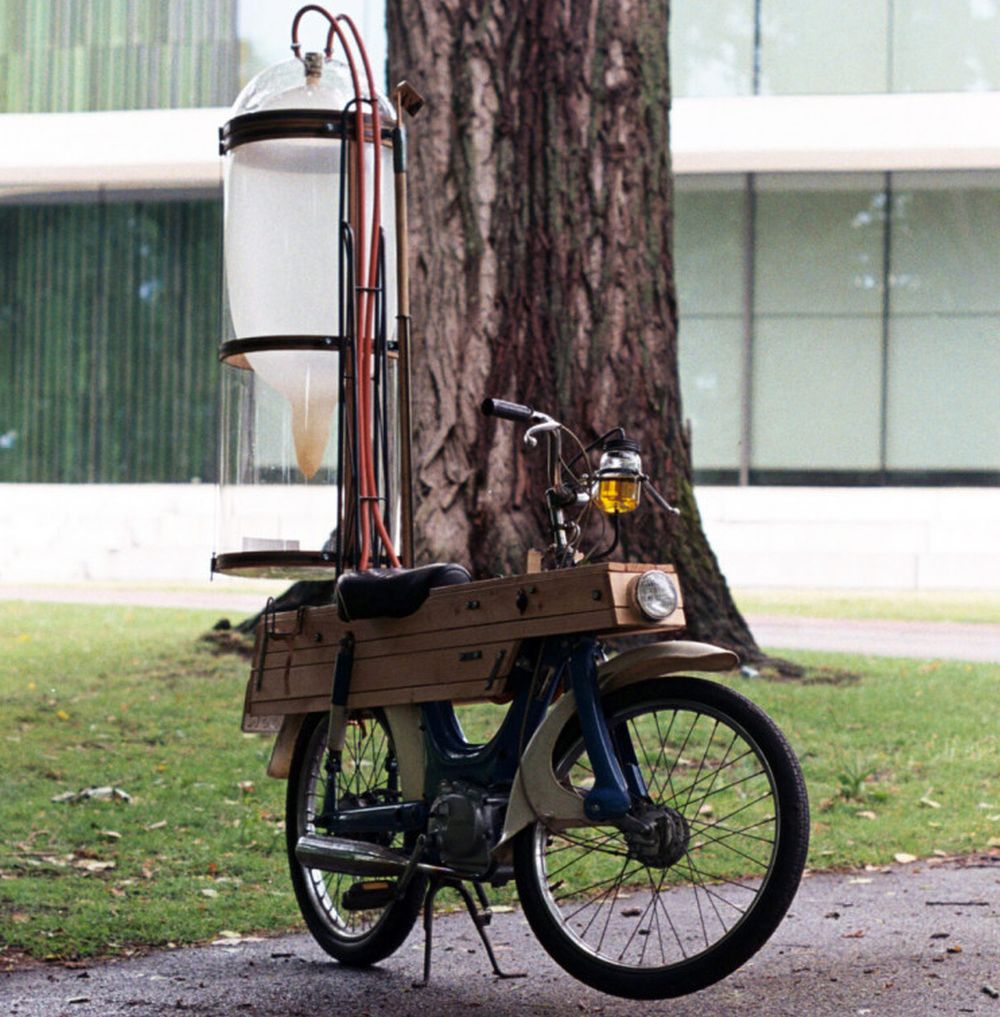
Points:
x=834, y=47
x=835, y=327
x=838, y=327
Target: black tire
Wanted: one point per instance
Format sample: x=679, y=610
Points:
x=650, y=929
x=355, y=938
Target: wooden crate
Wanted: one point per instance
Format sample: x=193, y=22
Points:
x=461, y=644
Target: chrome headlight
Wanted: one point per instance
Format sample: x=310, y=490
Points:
x=655, y=594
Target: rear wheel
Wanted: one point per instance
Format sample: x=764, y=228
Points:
x=368, y=776
x=671, y=910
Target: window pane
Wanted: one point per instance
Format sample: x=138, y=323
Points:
x=944, y=393
x=821, y=48
x=64, y=57
x=711, y=47
x=709, y=227
x=944, y=353
x=946, y=243
x=710, y=358
x=816, y=393
x=819, y=245
x=946, y=45
x=108, y=320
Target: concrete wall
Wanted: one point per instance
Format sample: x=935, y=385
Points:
x=129, y=532
x=888, y=538
x=879, y=538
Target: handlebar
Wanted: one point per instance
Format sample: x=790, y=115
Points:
x=509, y=411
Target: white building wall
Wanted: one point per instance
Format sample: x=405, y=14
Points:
x=873, y=538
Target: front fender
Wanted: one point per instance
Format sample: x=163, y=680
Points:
x=536, y=793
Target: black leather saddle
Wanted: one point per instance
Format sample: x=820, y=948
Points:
x=393, y=593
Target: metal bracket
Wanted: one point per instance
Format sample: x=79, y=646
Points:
x=269, y=631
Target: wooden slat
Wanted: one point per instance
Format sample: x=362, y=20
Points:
x=433, y=667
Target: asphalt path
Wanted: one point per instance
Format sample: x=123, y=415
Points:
x=923, y=640
x=908, y=941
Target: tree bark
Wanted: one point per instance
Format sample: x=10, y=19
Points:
x=540, y=210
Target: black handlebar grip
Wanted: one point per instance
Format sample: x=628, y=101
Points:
x=509, y=411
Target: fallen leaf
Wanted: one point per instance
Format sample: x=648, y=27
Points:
x=157, y=826
x=111, y=834
x=866, y=814
x=92, y=865
x=246, y=786
x=954, y=948
x=904, y=858
x=229, y=938
x=929, y=803
x=856, y=934
x=209, y=892
x=106, y=793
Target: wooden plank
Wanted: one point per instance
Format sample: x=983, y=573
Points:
x=459, y=692
x=429, y=668
x=562, y=607
x=558, y=592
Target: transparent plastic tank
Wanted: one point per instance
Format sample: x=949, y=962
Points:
x=284, y=205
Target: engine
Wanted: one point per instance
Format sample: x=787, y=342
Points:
x=464, y=823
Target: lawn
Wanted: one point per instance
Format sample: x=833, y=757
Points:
x=902, y=757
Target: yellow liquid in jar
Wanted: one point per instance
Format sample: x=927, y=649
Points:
x=616, y=494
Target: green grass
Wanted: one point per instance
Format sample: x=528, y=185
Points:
x=125, y=697
x=901, y=605
x=93, y=696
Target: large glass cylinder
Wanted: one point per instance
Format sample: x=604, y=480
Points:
x=298, y=258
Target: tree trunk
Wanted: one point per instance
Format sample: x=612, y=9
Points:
x=540, y=211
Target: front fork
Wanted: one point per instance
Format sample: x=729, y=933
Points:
x=617, y=778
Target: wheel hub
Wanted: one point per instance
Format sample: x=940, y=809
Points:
x=662, y=840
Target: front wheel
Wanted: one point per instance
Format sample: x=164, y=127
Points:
x=673, y=909
x=356, y=936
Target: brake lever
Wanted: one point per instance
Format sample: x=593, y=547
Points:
x=546, y=424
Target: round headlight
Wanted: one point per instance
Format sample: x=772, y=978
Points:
x=655, y=595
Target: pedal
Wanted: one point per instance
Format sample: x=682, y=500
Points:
x=368, y=894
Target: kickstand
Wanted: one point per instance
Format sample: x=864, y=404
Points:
x=479, y=918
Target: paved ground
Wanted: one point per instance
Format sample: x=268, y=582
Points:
x=945, y=640
x=912, y=941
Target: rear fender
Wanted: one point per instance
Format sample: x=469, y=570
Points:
x=407, y=736
x=536, y=793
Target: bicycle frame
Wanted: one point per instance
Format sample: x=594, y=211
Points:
x=558, y=663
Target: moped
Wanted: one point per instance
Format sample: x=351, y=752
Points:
x=655, y=824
